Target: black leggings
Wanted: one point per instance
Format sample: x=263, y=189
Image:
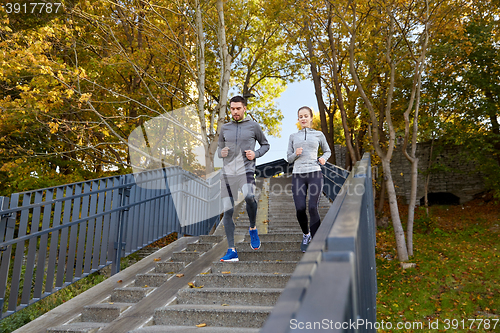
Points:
x=301, y=184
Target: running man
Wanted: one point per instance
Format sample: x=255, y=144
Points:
x=237, y=149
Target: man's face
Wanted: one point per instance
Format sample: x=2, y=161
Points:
x=237, y=110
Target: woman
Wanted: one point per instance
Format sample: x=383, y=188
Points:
x=306, y=174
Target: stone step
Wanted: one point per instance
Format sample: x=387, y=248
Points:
x=199, y=247
x=169, y=267
x=257, y=255
x=278, y=237
x=78, y=327
x=271, y=246
x=230, y=296
x=239, y=280
x=130, y=294
x=212, y=315
x=103, y=312
x=151, y=279
x=193, y=329
x=285, y=223
x=211, y=239
x=254, y=266
x=185, y=256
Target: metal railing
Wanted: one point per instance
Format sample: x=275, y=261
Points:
x=334, y=286
x=51, y=238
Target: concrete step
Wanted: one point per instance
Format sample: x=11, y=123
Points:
x=185, y=256
x=270, y=246
x=211, y=239
x=169, y=267
x=77, y=328
x=278, y=237
x=254, y=267
x=193, y=329
x=212, y=315
x=103, y=312
x=230, y=296
x=129, y=294
x=258, y=255
x=284, y=223
x=239, y=280
x=151, y=279
x=199, y=247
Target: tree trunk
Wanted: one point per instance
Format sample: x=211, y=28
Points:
x=417, y=83
x=393, y=205
x=381, y=200
x=323, y=109
x=338, y=92
x=385, y=157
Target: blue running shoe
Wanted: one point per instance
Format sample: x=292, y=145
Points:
x=231, y=255
x=254, y=239
x=306, y=239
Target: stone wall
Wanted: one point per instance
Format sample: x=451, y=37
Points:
x=459, y=177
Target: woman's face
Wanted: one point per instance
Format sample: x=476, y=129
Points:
x=305, y=118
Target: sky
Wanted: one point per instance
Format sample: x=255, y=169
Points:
x=296, y=95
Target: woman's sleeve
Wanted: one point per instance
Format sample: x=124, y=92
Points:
x=290, y=154
x=325, y=147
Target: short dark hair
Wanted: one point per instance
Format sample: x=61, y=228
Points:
x=238, y=99
x=307, y=108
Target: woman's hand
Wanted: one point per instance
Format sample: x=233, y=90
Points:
x=322, y=161
x=298, y=152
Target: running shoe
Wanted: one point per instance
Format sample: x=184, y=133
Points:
x=306, y=239
x=231, y=255
x=254, y=239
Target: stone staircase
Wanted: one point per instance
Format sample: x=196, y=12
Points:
x=193, y=288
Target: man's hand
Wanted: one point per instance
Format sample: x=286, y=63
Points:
x=224, y=151
x=298, y=152
x=322, y=161
x=250, y=154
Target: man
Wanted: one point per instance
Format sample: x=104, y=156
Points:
x=237, y=149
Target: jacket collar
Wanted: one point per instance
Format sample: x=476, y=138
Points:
x=247, y=118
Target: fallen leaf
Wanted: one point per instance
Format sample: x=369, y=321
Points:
x=145, y=286
x=201, y=325
x=226, y=272
x=180, y=275
x=225, y=304
x=191, y=284
x=119, y=281
x=205, y=273
x=156, y=259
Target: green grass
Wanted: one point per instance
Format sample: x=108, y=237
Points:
x=456, y=281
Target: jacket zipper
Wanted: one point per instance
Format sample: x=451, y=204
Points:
x=305, y=133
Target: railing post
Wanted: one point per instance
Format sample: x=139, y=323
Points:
x=124, y=193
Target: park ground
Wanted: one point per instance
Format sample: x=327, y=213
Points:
x=455, y=286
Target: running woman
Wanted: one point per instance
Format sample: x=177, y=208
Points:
x=306, y=174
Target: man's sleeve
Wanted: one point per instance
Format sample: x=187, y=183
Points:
x=262, y=140
x=220, y=143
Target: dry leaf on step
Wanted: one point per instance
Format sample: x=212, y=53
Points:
x=179, y=275
x=201, y=325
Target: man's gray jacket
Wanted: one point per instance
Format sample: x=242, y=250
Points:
x=238, y=137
